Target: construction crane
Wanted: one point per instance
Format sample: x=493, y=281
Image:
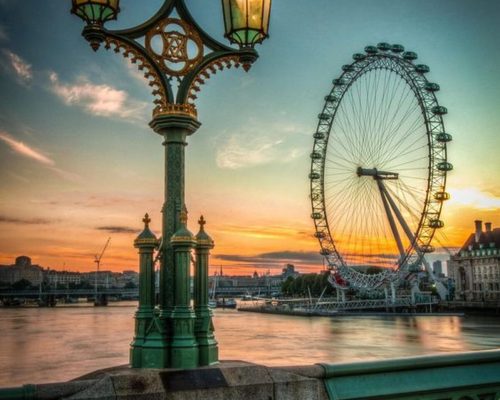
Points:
x=97, y=260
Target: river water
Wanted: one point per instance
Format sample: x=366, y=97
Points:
x=40, y=345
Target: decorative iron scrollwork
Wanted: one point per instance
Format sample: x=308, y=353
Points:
x=175, y=46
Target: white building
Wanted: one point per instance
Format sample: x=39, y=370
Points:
x=476, y=267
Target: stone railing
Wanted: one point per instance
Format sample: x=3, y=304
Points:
x=460, y=376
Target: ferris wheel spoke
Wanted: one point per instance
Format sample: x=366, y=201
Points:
x=386, y=162
x=391, y=113
x=409, y=206
x=395, y=128
x=338, y=158
x=399, y=116
x=395, y=148
x=396, y=166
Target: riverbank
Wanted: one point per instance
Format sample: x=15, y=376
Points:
x=337, y=314
x=315, y=313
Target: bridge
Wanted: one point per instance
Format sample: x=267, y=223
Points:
x=67, y=292
x=49, y=297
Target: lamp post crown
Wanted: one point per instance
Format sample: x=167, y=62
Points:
x=146, y=238
x=146, y=220
x=203, y=240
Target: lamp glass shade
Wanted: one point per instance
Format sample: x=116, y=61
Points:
x=96, y=12
x=246, y=22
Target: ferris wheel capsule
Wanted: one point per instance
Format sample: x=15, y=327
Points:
x=384, y=46
x=431, y=87
x=397, y=48
x=442, y=196
x=410, y=55
x=422, y=68
x=443, y=137
x=371, y=50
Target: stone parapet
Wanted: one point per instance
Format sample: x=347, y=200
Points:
x=457, y=376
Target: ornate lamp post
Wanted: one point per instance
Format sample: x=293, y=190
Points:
x=177, y=56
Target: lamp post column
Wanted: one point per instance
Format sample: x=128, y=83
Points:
x=146, y=242
x=174, y=128
x=183, y=346
x=204, y=328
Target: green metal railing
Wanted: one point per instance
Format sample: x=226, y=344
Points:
x=465, y=376
x=26, y=392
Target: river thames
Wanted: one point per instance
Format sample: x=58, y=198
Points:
x=40, y=345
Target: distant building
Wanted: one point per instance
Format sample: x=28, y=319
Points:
x=22, y=269
x=127, y=277
x=289, y=270
x=437, y=267
x=104, y=279
x=476, y=267
x=54, y=278
x=254, y=283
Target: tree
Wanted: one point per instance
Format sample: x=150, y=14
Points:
x=130, y=285
x=21, y=284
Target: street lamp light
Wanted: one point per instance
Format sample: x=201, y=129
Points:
x=246, y=22
x=95, y=13
x=177, y=57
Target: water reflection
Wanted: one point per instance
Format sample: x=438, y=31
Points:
x=44, y=345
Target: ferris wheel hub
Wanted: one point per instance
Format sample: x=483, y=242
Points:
x=376, y=173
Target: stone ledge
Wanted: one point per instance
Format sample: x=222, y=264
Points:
x=229, y=380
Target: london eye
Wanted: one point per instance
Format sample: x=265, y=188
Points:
x=378, y=168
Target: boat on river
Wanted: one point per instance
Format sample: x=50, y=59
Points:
x=226, y=303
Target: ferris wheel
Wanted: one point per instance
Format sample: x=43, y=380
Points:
x=378, y=168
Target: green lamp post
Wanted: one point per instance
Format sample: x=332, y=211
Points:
x=175, y=76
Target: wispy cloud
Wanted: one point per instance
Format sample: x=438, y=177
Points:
x=473, y=197
x=117, y=229
x=34, y=154
x=258, y=145
x=25, y=150
x=22, y=69
x=102, y=100
x=24, y=221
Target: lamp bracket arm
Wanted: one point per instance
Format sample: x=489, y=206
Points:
x=210, y=63
x=208, y=40
x=141, y=29
x=164, y=12
x=139, y=53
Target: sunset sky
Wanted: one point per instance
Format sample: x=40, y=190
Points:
x=79, y=164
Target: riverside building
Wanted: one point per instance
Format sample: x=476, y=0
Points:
x=476, y=267
x=21, y=270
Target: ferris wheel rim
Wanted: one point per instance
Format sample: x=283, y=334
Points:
x=424, y=91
